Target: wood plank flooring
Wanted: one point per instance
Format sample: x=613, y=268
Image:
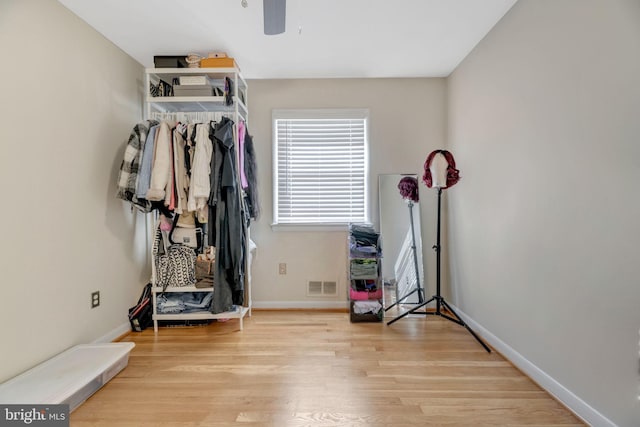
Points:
x=296, y=368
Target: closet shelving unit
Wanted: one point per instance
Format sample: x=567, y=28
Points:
x=192, y=106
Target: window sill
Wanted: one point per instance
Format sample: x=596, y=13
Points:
x=310, y=227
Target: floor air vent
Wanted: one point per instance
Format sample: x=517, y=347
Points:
x=317, y=288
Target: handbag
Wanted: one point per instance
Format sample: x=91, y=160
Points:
x=175, y=265
x=189, y=236
x=186, y=236
x=205, y=269
x=140, y=315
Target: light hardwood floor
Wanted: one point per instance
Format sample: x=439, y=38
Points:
x=296, y=368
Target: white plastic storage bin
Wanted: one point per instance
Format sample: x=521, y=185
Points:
x=71, y=377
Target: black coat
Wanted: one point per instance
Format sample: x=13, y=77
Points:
x=226, y=216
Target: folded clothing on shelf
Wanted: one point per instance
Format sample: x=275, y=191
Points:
x=366, y=285
x=361, y=307
x=363, y=241
x=183, y=302
x=356, y=251
x=361, y=268
x=356, y=295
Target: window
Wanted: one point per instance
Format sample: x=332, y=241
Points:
x=320, y=166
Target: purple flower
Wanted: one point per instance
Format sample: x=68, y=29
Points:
x=408, y=187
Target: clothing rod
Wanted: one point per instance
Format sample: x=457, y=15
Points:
x=195, y=116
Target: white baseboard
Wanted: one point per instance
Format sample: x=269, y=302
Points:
x=588, y=414
x=299, y=304
x=113, y=334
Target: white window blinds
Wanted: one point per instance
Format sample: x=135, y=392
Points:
x=320, y=159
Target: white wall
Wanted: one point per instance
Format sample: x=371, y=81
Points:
x=407, y=122
x=69, y=100
x=544, y=121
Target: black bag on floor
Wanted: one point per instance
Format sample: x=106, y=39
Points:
x=140, y=315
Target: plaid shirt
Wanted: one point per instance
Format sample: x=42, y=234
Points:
x=128, y=174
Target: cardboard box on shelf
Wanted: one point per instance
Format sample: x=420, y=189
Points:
x=217, y=63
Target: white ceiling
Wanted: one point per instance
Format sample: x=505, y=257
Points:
x=323, y=38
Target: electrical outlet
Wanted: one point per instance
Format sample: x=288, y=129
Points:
x=282, y=268
x=95, y=299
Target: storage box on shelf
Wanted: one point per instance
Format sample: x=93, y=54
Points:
x=218, y=62
x=366, y=302
x=194, y=90
x=170, y=61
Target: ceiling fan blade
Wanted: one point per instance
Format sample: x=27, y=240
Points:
x=274, y=12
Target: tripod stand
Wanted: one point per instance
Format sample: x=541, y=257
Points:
x=440, y=301
x=418, y=288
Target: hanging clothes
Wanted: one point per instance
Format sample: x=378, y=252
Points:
x=146, y=163
x=161, y=170
x=241, y=151
x=187, y=218
x=200, y=185
x=170, y=194
x=128, y=174
x=226, y=231
x=180, y=170
x=204, y=172
x=251, y=172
